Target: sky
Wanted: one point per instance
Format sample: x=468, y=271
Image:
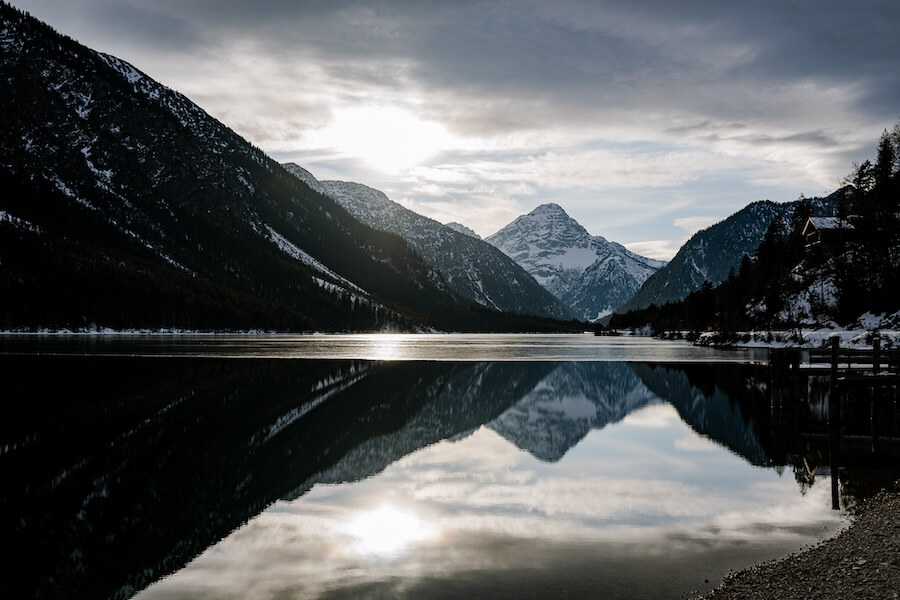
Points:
x=645, y=120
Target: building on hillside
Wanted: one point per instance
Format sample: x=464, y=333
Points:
x=826, y=231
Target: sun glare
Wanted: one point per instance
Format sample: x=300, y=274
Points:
x=389, y=139
x=387, y=531
x=385, y=346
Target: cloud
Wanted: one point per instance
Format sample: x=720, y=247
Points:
x=604, y=107
x=657, y=416
x=694, y=224
x=481, y=506
x=695, y=443
x=658, y=249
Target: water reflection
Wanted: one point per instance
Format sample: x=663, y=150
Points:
x=383, y=346
x=387, y=531
x=348, y=478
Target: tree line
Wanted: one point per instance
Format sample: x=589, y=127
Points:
x=857, y=275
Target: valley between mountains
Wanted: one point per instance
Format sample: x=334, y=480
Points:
x=128, y=207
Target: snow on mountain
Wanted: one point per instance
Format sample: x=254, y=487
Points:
x=436, y=401
x=472, y=267
x=462, y=229
x=588, y=273
x=570, y=401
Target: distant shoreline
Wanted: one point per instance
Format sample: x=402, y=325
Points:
x=149, y=332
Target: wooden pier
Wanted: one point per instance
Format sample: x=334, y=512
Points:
x=858, y=392
x=844, y=361
x=840, y=361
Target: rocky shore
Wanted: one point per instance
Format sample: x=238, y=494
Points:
x=862, y=562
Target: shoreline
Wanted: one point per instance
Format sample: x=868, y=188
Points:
x=863, y=561
x=806, y=339
x=802, y=339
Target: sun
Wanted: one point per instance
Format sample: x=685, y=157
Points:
x=387, y=138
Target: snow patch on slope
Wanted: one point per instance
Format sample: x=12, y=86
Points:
x=296, y=253
x=18, y=223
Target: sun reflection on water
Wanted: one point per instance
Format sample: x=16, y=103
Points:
x=387, y=531
x=387, y=346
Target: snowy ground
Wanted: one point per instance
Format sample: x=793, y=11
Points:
x=858, y=335
x=804, y=338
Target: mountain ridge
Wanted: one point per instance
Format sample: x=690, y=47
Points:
x=588, y=273
x=138, y=192
x=127, y=206
x=459, y=227
x=569, y=402
x=472, y=267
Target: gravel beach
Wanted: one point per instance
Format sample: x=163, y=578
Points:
x=861, y=562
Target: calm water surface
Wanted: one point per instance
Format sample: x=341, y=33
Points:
x=519, y=347
x=512, y=467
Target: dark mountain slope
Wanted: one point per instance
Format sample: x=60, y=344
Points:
x=129, y=206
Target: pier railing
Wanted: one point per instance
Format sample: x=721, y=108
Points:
x=873, y=360
x=841, y=361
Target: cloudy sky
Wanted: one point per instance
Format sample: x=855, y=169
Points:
x=645, y=120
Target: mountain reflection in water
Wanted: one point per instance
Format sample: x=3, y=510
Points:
x=635, y=478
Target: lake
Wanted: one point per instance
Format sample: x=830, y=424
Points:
x=384, y=466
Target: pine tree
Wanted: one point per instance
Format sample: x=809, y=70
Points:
x=771, y=248
x=796, y=241
x=885, y=162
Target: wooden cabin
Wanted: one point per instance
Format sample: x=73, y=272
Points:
x=826, y=231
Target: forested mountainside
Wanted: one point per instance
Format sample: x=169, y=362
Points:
x=473, y=268
x=125, y=205
x=711, y=254
x=808, y=271
x=588, y=273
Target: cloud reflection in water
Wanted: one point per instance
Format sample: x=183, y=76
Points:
x=387, y=531
x=634, y=493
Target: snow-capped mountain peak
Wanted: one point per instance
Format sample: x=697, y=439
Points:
x=473, y=268
x=589, y=273
x=570, y=401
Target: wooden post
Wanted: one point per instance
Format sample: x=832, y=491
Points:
x=834, y=443
x=874, y=393
x=835, y=490
x=835, y=347
x=876, y=352
x=834, y=424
